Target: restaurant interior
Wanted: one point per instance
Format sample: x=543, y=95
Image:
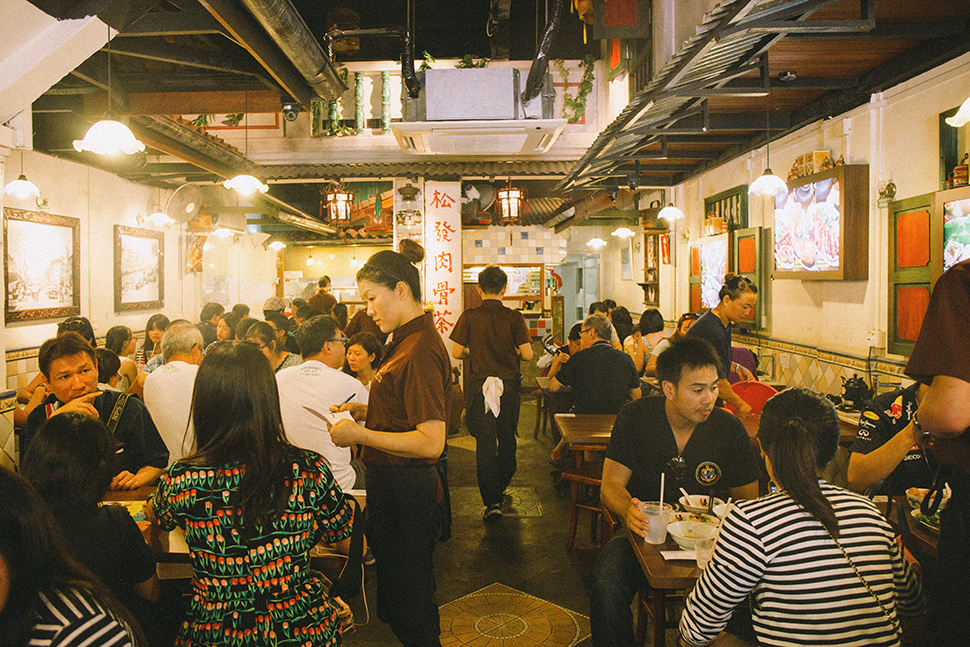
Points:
x=595, y=150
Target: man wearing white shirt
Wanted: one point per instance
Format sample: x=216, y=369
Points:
x=168, y=390
x=318, y=383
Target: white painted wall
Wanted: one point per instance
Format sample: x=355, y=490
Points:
x=897, y=135
x=101, y=200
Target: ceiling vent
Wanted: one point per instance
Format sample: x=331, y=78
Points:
x=477, y=112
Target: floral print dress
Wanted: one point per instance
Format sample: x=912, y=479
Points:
x=259, y=591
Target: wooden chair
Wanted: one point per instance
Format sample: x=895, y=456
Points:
x=586, y=475
x=542, y=413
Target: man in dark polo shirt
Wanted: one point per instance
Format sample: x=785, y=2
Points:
x=603, y=378
x=70, y=369
x=494, y=339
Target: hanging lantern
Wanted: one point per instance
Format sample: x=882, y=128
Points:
x=511, y=201
x=339, y=204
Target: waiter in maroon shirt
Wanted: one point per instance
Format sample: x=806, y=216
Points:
x=494, y=339
x=941, y=359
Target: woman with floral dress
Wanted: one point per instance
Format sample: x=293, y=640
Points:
x=251, y=506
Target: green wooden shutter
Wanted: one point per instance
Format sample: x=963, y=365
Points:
x=748, y=261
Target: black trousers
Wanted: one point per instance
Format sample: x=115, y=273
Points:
x=402, y=530
x=495, y=438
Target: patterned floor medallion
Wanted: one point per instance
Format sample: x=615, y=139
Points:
x=500, y=616
x=519, y=502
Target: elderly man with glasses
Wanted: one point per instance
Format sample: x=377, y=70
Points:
x=681, y=434
x=602, y=378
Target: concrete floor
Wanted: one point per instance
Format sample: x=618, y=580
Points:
x=524, y=553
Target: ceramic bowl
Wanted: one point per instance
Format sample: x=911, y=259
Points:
x=683, y=532
x=914, y=496
x=697, y=503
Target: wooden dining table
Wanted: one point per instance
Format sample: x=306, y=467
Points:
x=664, y=577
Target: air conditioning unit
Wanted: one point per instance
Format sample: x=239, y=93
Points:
x=477, y=112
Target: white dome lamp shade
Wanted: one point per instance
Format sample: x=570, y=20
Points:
x=768, y=183
x=961, y=117
x=21, y=188
x=245, y=184
x=109, y=136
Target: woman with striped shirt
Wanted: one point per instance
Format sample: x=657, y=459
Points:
x=818, y=564
x=47, y=599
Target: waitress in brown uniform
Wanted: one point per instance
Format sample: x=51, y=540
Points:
x=403, y=436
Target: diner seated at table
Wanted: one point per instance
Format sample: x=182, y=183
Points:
x=601, y=377
x=816, y=563
x=168, y=391
x=251, y=506
x=36, y=390
x=108, y=367
x=600, y=307
x=68, y=466
x=886, y=447
x=316, y=385
x=684, y=323
x=70, y=370
x=622, y=323
x=46, y=596
x=648, y=333
x=563, y=353
x=679, y=434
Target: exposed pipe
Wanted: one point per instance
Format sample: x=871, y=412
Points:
x=286, y=27
x=537, y=72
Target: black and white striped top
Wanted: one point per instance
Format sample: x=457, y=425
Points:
x=72, y=618
x=803, y=590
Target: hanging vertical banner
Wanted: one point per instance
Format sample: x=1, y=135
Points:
x=442, y=237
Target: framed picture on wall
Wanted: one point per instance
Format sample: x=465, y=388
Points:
x=139, y=269
x=41, y=266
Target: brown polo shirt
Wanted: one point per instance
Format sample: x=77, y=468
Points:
x=361, y=322
x=322, y=301
x=413, y=385
x=943, y=346
x=491, y=333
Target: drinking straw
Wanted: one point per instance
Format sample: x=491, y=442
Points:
x=662, y=475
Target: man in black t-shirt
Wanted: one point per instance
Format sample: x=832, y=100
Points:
x=602, y=377
x=681, y=434
x=885, y=447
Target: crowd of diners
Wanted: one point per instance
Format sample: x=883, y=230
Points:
x=253, y=431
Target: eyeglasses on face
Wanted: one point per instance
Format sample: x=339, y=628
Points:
x=342, y=340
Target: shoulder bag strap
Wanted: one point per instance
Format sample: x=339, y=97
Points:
x=116, y=412
x=893, y=621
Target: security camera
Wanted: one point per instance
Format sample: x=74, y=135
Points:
x=612, y=192
x=634, y=182
x=290, y=110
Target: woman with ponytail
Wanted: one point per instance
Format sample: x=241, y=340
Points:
x=816, y=562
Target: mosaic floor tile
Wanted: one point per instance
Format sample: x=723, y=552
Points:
x=500, y=616
x=466, y=501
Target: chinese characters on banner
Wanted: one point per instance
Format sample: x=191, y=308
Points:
x=442, y=236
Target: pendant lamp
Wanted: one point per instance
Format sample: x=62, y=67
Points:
x=22, y=188
x=245, y=184
x=768, y=183
x=109, y=136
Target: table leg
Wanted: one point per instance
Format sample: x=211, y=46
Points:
x=658, y=603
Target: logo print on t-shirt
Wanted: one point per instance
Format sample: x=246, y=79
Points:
x=708, y=473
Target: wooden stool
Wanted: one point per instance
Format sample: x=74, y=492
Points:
x=542, y=413
x=588, y=474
